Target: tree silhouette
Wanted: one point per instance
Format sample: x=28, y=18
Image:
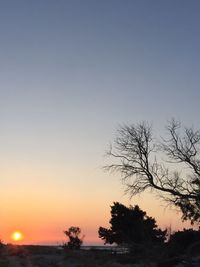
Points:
x=73, y=234
x=135, y=156
x=131, y=226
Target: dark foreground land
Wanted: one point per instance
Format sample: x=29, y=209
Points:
x=49, y=256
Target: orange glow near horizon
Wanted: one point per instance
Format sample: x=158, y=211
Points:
x=41, y=218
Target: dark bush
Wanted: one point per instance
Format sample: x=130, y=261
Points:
x=181, y=241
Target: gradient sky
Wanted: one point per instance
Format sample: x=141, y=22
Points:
x=70, y=72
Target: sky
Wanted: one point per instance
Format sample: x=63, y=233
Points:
x=71, y=72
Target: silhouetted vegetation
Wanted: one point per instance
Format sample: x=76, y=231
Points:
x=145, y=242
x=2, y=246
x=181, y=242
x=131, y=226
x=135, y=154
x=73, y=234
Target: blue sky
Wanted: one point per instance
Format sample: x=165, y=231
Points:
x=72, y=71
x=101, y=55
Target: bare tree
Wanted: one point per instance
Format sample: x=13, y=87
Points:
x=134, y=155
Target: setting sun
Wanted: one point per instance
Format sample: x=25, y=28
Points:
x=17, y=236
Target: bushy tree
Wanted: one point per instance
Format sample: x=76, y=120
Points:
x=73, y=234
x=135, y=156
x=131, y=226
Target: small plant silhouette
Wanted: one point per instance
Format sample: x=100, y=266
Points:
x=73, y=234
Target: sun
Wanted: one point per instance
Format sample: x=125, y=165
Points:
x=17, y=236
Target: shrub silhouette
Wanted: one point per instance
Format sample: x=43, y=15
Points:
x=181, y=241
x=73, y=234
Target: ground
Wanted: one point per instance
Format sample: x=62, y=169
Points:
x=45, y=256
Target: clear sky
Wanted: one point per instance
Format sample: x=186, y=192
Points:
x=70, y=72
